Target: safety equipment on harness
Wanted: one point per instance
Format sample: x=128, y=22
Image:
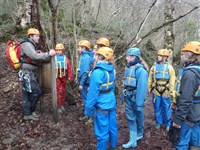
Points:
x=108, y=86
x=61, y=65
x=193, y=46
x=84, y=43
x=106, y=52
x=33, y=31
x=103, y=41
x=133, y=52
x=196, y=70
x=130, y=79
x=163, y=52
x=123, y=96
x=59, y=47
x=161, y=76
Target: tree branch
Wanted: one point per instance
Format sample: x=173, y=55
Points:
x=154, y=30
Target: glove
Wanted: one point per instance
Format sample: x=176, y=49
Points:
x=174, y=134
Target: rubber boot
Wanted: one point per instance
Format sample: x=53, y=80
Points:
x=139, y=136
x=132, y=142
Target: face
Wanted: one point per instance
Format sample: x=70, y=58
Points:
x=96, y=57
x=59, y=52
x=35, y=38
x=130, y=58
x=81, y=49
x=160, y=58
x=185, y=56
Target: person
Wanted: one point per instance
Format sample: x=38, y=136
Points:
x=94, y=48
x=31, y=91
x=86, y=62
x=63, y=72
x=135, y=90
x=184, y=132
x=161, y=83
x=102, y=42
x=101, y=101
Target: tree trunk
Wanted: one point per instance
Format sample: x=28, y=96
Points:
x=169, y=34
x=54, y=10
x=23, y=17
x=35, y=22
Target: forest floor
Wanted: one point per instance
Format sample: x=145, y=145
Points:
x=69, y=133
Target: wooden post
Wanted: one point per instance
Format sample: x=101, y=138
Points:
x=53, y=90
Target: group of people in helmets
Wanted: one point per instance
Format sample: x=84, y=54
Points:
x=96, y=77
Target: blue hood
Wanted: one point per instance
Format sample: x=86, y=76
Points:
x=89, y=52
x=106, y=66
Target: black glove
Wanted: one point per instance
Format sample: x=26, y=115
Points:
x=174, y=134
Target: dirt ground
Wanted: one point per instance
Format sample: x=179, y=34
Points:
x=69, y=133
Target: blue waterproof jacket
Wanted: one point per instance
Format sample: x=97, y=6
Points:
x=86, y=63
x=101, y=89
x=136, y=76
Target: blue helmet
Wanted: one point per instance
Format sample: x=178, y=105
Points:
x=134, y=51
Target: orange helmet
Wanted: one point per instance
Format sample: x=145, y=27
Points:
x=163, y=52
x=33, y=31
x=95, y=46
x=59, y=47
x=103, y=41
x=106, y=52
x=84, y=43
x=193, y=46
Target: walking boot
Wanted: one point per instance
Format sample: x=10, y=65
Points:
x=90, y=120
x=63, y=108
x=60, y=110
x=132, y=142
x=30, y=117
x=35, y=115
x=84, y=118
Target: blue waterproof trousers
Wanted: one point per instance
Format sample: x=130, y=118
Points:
x=162, y=110
x=105, y=127
x=190, y=135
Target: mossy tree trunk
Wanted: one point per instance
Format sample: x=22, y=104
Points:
x=35, y=22
x=169, y=33
x=23, y=15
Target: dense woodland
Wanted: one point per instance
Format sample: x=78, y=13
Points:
x=147, y=24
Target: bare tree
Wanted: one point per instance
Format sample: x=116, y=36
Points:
x=169, y=34
x=54, y=10
x=35, y=22
x=154, y=30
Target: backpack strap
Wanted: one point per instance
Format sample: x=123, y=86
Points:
x=24, y=58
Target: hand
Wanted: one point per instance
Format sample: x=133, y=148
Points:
x=174, y=134
x=80, y=87
x=173, y=105
x=38, y=51
x=52, y=52
x=149, y=93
